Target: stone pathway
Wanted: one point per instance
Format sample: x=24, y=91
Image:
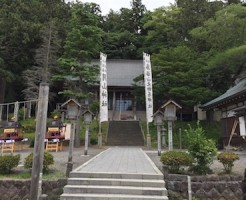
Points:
x=116, y=173
x=121, y=160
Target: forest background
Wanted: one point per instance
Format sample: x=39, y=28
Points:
x=197, y=47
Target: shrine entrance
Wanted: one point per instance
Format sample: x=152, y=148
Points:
x=121, y=105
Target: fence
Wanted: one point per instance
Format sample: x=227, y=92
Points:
x=8, y=110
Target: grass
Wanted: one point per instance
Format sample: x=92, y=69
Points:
x=212, y=131
x=30, y=125
x=26, y=174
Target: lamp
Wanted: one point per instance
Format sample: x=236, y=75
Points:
x=72, y=112
x=170, y=112
x=158, y=118
x=170, y=109
x=87, y=117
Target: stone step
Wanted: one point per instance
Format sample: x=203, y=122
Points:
x=109, y=197
x=99, y=189
x=78, y=174
x=124, y=133
x=121, y=143
x=116, y=182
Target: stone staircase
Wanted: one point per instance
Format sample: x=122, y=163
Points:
x=124, y=133
x=114, y=186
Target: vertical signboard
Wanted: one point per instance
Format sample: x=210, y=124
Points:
x=103, y=89
x=148, y=87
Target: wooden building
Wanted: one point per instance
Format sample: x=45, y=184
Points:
x=122, y=104
x=231, y=106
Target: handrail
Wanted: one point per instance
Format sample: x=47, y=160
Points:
x=142, y=131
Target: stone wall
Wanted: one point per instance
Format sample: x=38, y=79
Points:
x=20, y=189
x=209, y=187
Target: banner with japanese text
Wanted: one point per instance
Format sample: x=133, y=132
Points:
x=148, y=87
x=103, y=89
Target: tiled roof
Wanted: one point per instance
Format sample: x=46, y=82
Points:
x=122, y=72
x=119, y=72
x=238, y=89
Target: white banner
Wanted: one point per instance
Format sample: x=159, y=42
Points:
x=103, y=89
x=242, y=126
x=148, y=87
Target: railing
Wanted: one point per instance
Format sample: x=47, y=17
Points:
x=142, y=131
x=14, y=107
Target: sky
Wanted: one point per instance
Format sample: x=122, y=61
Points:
x=115, y=5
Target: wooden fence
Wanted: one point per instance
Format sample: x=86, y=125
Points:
x=9, y=110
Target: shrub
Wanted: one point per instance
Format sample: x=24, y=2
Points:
x=48, y=160
x=175, y=159
x=55, y=113
x=202, y=149
x=227, y=159
x=93, y=141
x=8, y=162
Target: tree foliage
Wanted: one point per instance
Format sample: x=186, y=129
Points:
x=226, y=30
x=202, y=149
x=197, y=47
x=79, y=50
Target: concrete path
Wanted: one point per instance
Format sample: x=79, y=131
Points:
x=121, y=160
x=118, y=173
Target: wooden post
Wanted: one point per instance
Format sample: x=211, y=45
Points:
x=38, y=155
x=7, y=112
x=1, y=112
x=24, y=110
x=189, y=188
x=16, y=111
x=100, y=135
x=86, y=139
x=70, y=151
x=170, y=136
x=163, y=137
x=232, y=133
x=77, y=133
x=148, y=137
x=180, y=138
x=29, y=109
x=159, y=139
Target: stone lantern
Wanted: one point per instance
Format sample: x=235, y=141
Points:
x=72, y=112
x=170, y=108
x=158, y=121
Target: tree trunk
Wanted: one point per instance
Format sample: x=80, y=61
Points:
x=2, y=89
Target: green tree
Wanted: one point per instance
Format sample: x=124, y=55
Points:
x=179, y=74
x=202, y=149
x=226, y=67
x=224, y=31
x=79, y=50
x=162, y=29
x=20, y=36
x=46, y=60
x=138, y=11
x=194, y=13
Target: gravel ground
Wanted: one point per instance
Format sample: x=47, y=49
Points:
x=79, y=158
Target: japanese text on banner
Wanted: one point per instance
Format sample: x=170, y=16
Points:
x=148, y=87
x=103, y=89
